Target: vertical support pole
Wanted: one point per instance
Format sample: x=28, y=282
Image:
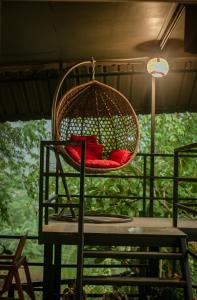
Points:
x=80, y=246
x=57, y=271
x=144, y=186
x=48, y=275
x=153, y=95
x=152, y=158
x=56, y=187
x=41, y=186
x=154, y=262
x=46, y=213
x=186, y=271
x=175, y=188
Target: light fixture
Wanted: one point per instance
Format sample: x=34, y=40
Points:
x=157, y=67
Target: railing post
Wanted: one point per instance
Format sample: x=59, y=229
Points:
x=175, y=189
x=80, y=246
x=46, y=186
x=56, y=184
x=40, y=212
x=144, y=185
x=152, y=174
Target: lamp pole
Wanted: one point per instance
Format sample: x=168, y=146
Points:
x=153, y=96
x=152, y=146
x=157, y=67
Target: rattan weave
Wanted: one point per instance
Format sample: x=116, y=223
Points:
x=97, y=109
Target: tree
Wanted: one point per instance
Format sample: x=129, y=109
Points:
x=19, y=152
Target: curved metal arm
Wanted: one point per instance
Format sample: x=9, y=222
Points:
x=55, y=98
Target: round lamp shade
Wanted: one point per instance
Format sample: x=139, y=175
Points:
x=157, y=67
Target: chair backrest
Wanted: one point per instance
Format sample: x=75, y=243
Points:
x=8, y=280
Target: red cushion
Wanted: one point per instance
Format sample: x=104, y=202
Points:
x=80, y=138
x=93, y=151
x=74, y=154
x=101, y=163
x=120, y=155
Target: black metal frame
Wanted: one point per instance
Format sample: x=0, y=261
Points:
x=185, y=151
x=55, y=285
x=54, y=241
x=52, y=201
x=52, y=252
x=52, y=249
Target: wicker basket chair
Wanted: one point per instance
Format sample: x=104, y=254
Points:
x=94, y=108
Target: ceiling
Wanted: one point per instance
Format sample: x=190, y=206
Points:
x=41, y=39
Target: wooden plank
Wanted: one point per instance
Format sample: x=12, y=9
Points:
x=121, y=233
x=150, y=226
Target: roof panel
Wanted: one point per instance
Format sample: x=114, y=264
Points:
x=47, y=36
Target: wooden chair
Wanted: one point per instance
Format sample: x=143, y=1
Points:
x=10, y=265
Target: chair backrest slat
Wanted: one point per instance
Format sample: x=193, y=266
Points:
x=20, y=247
x=17, y=255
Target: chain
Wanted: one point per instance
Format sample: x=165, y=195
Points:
x=93, y=68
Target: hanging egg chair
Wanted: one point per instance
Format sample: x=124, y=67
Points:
x=103, y=117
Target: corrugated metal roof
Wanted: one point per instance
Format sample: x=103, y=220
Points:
x=29, y=94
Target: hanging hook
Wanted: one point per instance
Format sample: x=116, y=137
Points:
x=93, y=67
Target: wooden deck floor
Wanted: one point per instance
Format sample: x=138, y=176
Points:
x=138, y=226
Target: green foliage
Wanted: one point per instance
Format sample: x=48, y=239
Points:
x=19, y=163
x=19, y=150
x=172, y=131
